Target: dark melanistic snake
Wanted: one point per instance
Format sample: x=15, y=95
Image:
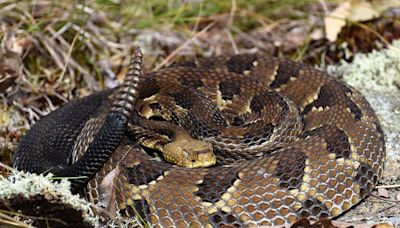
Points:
x=290, y=141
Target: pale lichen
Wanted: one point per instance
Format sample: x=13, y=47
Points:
x=29, y=185
x=377, y=70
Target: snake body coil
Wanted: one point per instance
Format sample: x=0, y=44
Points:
x=290, y=141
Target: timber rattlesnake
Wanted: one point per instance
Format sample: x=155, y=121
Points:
x=290, y=141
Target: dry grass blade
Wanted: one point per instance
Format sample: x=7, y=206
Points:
x=389, y=186
x=176, y=51
x=12, y=222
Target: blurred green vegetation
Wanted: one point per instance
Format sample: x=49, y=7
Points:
x=178, y=13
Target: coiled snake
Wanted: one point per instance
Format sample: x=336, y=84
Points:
x=287, y=141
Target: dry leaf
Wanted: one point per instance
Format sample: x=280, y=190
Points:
x=349, y=10
x=382, y=192
x=107, y=193
x=362, y=11
x=336, y=20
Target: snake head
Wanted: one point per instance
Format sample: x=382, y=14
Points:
x=189, y=152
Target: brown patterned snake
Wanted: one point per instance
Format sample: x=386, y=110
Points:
x=289, y=141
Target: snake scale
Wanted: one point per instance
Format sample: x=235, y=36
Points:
x=288, y=141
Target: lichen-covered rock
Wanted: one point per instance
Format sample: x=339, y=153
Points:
x=47, y=203
x=377, y=71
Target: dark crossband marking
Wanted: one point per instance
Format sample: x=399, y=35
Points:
x=184, y=100
x=222, y=218
x=313, y=206
x=143, y=174
x=284, y=73
x=325, y=99
x=292, y=178
x=149, y=88
x=257, y=103
x=229, y=89
x=336, y=140
x=241, y=63
x=191, y=81
x=366, y=177
x=214, y=185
